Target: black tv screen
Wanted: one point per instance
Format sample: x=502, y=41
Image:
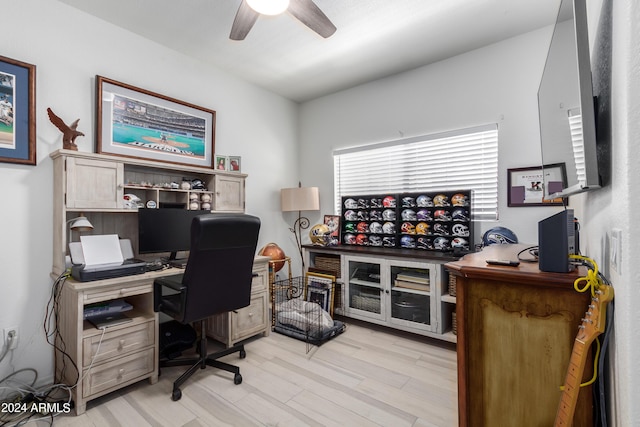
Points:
x=165, y=230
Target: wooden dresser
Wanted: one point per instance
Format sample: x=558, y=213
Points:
x=516, y=327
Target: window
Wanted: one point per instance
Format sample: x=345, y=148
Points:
x=459, y=160
x=577, y=143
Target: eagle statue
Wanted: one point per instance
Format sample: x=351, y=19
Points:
x=69, y=132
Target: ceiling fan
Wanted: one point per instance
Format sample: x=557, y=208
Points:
x=305, y=11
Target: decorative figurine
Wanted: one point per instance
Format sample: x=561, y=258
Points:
x=69, y=133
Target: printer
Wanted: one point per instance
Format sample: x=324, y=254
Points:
x=99, y=257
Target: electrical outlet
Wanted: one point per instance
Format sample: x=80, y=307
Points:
x=615, y=249
x=11, y=341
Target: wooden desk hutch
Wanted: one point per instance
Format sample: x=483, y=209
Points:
x=94, y=185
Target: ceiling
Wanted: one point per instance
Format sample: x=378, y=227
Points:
x=374, y=38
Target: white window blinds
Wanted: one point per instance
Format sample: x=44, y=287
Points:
x=575, y=126
x=459, y=160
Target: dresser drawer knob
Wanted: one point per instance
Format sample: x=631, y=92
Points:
x=121, y=345
x=120, y=373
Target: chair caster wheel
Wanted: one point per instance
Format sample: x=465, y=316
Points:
x=177, y=394
x=243, y=354
x=237, y=379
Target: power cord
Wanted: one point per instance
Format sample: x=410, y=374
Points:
x=532, y=250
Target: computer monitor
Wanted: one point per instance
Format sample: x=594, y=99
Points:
x=165, y=230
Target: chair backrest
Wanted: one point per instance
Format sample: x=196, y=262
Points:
x=218, y=274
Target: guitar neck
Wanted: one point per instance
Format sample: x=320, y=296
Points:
x=572, y=381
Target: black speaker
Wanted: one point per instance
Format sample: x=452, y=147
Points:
x=556, y=241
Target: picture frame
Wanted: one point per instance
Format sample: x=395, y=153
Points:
x=221, y=162
x=234, y=164
x=319, y=289
x=333, y=222
x=526, y=186
x=174, y=131
x=17, y=112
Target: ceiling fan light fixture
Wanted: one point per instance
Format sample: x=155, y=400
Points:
x=269, y=7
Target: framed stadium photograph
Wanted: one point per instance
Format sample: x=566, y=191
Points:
x=134, y=122
x=17, y=112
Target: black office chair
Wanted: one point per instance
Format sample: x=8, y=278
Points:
x=217, y=279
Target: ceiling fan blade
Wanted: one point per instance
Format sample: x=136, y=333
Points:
x=310, y=15
x=242, y=24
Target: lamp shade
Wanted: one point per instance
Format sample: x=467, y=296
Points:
x=80, y=223
x=300, y=199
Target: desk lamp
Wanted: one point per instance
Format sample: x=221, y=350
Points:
x=300, y=199
x=79, y=223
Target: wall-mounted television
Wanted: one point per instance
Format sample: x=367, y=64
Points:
x=566, y=106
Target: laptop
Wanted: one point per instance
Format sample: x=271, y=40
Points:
x=102, y=322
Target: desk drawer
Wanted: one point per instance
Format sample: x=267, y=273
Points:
x=118, y=342
x=119, y=371
x=117, y=292
x=250, y=320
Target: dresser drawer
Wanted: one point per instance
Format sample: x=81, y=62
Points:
x=117, y=292
x=119, y=371
x=251, y=319
x=118, y=342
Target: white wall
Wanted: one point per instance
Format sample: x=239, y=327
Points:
x=495, y=84
x=69, y=48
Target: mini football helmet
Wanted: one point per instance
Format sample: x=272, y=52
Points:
x=441, y=243
x=320, y=234
x=363, y=215
x=375, y=215
x=440, y=229
x=131, y=201
x=424, y=243
x=389, y=202
x=407, y=228
x=407, y=242
x=362, y=227
x=441, y=200
x=375, y=241
x=363, y=203
x=349, y=239
x=459, y=199
x=441, y=215
x=388, y=242
x=376, y=203
x=362, y=240
x=375, y=227
x=350, y=204
x=424, y=201
x=460, y=230
x=351, y=215
x=460, y=215
x=424, y=215
x=408, y=202
x=350, y=227
x=422, y=228
x=389, y=227
x=459, y=242
x=389, y=215
x=408, y=215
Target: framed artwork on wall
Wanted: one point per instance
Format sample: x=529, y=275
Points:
x=528, y=186
x=319, y=289
x=17, y=112
x=138, y=123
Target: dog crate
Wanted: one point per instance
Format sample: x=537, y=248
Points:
x=301, y=308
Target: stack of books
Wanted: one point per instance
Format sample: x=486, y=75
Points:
x=413, y=279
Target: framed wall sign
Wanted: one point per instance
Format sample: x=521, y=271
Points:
x=138, y=123
x=17, y=112
x=529, y=186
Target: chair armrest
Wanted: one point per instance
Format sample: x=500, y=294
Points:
x=171, y=282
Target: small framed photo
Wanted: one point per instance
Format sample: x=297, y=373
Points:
x=234, y=164
x=333, y=222
x=17, y=112
x=222, y=162
x=319, y=289
x=138, y=123
x=531, y=186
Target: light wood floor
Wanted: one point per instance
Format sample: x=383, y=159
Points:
x=367, y=376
